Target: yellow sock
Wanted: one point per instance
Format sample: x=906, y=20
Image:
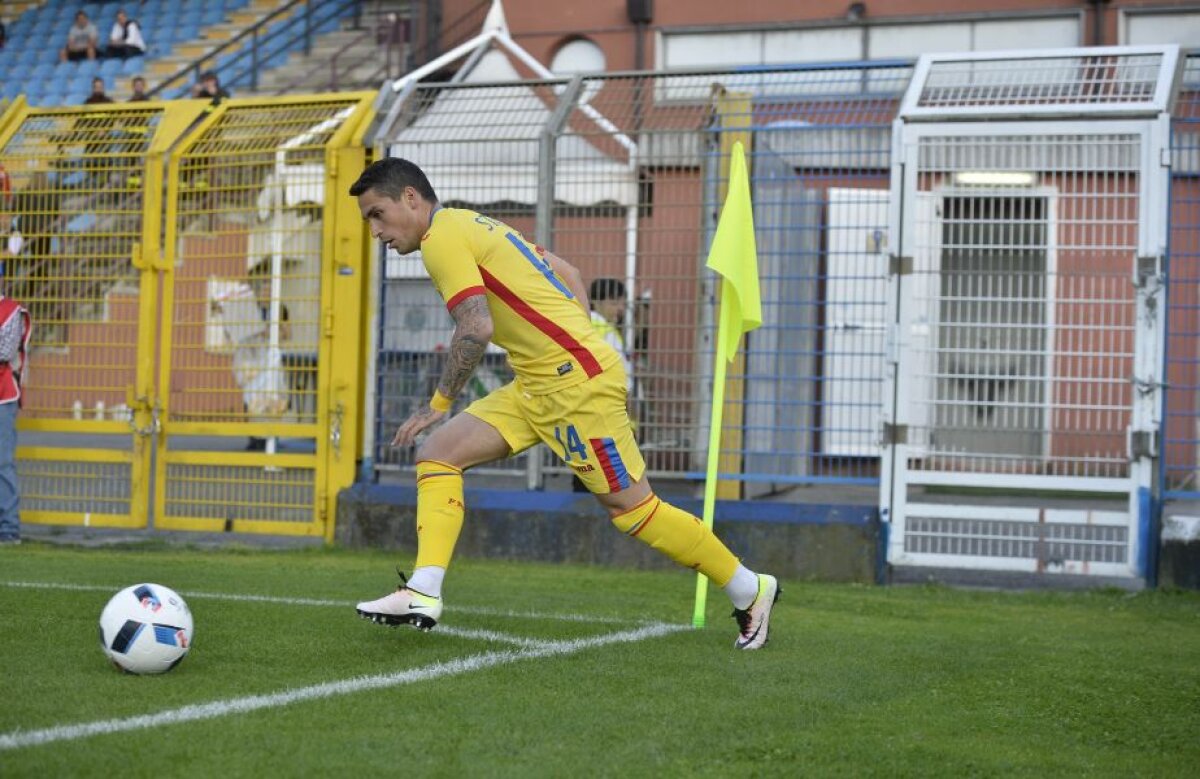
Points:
x=439, y=512
x=680, y=536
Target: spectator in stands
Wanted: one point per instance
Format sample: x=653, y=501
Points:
x=3, y=35
x=81, y=40
x=98, y=94
x=209, y=87
x=139, y=90
x=125, y=40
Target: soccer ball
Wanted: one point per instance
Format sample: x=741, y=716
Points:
x=146, y=629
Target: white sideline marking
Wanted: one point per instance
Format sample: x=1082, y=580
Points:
x=233, y=596
x=493, y=636
x=201, y=711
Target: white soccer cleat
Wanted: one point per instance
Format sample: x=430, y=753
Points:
x=754, y=621
x=403, y=607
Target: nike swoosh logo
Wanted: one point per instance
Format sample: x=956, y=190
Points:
x=752, y=636
x=415, y=605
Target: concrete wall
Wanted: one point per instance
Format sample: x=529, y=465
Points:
x=795, y=541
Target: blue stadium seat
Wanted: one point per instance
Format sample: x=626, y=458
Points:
x=82, y=223
x=48, y=55
x=38, y=41
x=110, y=67
x=332, y=24
x=133, y=66
x=89, y=67
x=79, y=83
x=41, y=72
x=75, y=98
x=16, y=75
x=32, y=89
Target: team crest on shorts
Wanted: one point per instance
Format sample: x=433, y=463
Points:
x=565, y=368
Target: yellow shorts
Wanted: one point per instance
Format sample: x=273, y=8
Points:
x=586, y=425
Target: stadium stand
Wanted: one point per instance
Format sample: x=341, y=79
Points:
x=237, y=38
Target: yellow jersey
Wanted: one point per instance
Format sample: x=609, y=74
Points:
x=549, y=337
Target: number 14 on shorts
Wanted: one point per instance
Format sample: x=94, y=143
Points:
x=570, y=442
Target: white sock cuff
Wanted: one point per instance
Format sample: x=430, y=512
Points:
x=742, y=589
x=428, y=580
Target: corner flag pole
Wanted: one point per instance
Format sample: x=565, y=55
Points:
x=714, y=451
x=735, y=257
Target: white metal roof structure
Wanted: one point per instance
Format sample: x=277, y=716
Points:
x=483, y=144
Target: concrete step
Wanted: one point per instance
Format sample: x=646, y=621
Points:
x=313, y=69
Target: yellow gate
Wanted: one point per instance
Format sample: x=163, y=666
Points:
x=182, y=356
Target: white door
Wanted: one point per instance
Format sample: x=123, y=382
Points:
x=856, y=268
x=1024, y=357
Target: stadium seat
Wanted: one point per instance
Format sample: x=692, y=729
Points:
x=110, y=67
x=133, y=66
x=78, y=83
x=16, y=75
x=89, y=67
x=83, y=222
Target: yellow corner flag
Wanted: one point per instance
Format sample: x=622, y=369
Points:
x=735, y=257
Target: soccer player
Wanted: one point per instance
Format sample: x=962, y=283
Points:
x=569, y=393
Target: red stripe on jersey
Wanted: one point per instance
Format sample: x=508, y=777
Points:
x=460, y=297
x=561, y=337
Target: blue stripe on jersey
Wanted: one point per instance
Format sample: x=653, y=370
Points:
x=542, y=266
x=614, y=457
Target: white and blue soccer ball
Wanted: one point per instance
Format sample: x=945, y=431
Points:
x=146, y=629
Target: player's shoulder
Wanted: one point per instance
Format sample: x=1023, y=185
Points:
x=461, y=222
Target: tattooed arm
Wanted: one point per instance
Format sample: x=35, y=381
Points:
x=472, y=332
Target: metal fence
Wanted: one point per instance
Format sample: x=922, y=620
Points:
x=1181, y=417
x=624, y=175
x=188, y=271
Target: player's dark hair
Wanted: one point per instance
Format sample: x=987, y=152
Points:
x=606, y=289
x=390, y=176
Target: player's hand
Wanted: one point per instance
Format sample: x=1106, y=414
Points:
x=422, y=419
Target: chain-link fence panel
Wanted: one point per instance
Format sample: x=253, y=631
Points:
x=624, y=176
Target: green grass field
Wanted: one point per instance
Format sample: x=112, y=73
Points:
x=548, y=670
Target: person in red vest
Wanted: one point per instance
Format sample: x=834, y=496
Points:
x=15, y=327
